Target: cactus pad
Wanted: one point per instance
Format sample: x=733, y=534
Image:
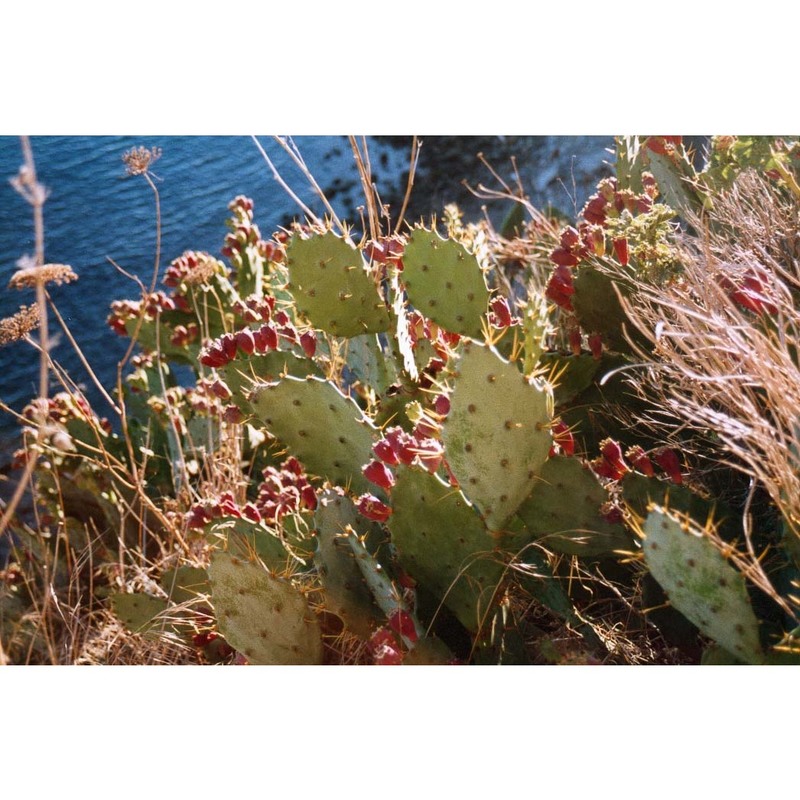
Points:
x=346, y=593
x=701, y=583
x=332, y=288
x=140, y=613
x=563, y=511
x=263, y=617
x=185, y=584
x=570, y=374
x=326, y=430
x=442, y=542
x=496, y=435
x=445, y=283
x=599, y=310
x=240, y=375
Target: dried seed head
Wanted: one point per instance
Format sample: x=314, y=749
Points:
x=20, y=325
x=138, y=160
x=28, y=277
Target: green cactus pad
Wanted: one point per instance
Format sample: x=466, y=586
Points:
x=442, y=542
x=563, y=511
x=285, y=547
x=445, y=283
x=327, y=431
x=332, y=287
x=701, y=583
x=570, y=374
x=598, y=308
x=366, y=358
x=346, y=593
x=263, y=617
x=240, y=375
x=496, y=435
x=535, y=575
x=674, y=181
x=140, y=613
x=185, y=584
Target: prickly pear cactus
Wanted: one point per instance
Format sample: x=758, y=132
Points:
x=496, y=434
x=346, y=593
x=264, y=617
x=442, y=543
x=701, y=583
x=445, y=283
x=140, y=613
x=242, y=374
x=570, y=375
x=332, y=287
x=326, y=430
x=599, y=310
x=563, y=511
x=184, y=584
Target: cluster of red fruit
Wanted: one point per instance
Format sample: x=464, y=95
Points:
x=191, y=267
x=386, y=251
x=284, y=490
x=588, y=239
x=123, y=311
x=245, y=233
x=254, y=308
x=611, y=464
x=61, y=408
x=751, y=290
x=261, y=340
x=421, y=447
x=223, y=506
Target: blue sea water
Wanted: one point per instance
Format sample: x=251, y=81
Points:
x=94, y=212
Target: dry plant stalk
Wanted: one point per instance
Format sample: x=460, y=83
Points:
x=28, y=186
x=725, y=336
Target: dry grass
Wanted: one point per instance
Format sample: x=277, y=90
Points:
x=730, y=372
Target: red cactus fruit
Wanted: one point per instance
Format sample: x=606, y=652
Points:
x=563, y=440
x=663, y=145
x=560, y=287
x=621, y=251
x=638, y=458
x=233, y=415
x=378, y=473
x=220, y=389
x=610, y=463
x=266, y=338
x=402, y=624
x=245, y=341
x=564, y=258
x=370, y=507
x=384, y=648
x=308, y=341
x=213, y=356
x=595, y=210
x=441, y=405
x=668, y=460
x=501, y=313
x=596, y=345
x=249, y=511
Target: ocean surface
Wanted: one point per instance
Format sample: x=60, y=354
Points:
x=95, y=212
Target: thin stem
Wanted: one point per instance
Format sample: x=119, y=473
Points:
x=412, y=171
x=82, y=358
x=275, y=174
x=36, y=195
x=291, y=149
